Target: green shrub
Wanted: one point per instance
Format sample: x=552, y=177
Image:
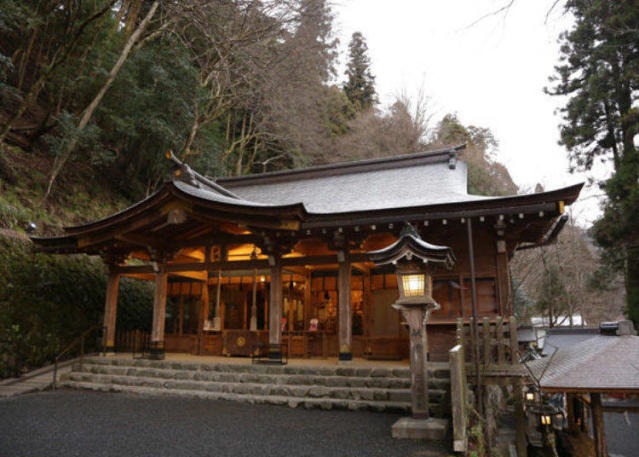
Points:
x=46, y=301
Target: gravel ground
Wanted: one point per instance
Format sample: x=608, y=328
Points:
x=77, y=423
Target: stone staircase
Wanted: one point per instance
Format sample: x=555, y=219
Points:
x=327, y=387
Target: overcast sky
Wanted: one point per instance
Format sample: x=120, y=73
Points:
x=491, y=74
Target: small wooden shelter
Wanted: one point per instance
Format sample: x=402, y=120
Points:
x=280, y=257
x=606, y=364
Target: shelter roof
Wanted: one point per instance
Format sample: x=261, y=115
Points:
x=598, y=364
x=424, y=179
x=562, y=338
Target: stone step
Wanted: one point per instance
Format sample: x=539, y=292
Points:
x=306, y=391
x=435, y=370
x=306, y=402
x=282, y=379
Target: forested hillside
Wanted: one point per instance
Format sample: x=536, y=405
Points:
x=94, y=92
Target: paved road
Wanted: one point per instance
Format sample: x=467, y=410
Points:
x=622, y=433
x=75, y=423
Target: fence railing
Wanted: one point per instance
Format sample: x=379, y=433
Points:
x=135, y=341
x=79, y=343
x=497, y=341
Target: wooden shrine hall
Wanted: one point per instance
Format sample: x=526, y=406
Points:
x=280, y=258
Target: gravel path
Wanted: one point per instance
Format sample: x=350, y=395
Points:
x=77, y=423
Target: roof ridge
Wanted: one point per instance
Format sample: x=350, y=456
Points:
x=348, y=167
x=183, y=172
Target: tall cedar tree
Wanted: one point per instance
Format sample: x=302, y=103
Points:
x=360, y=85
x=599, y=72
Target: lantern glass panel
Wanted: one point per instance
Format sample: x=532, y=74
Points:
x=414, y=284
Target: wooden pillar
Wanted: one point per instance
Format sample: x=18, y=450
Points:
x=110, y=310
x=416, y=318
x=475, y=320
x=159, y=313
x=367, y=306
x=253, y=323
x=204, y=314
x=501, y=264
x=598, y=425
x=570, y=413
x=520, y=420
x=181, y=317
x=217, y=318
x=344, y=309
x=275, y=308
x=307, y=299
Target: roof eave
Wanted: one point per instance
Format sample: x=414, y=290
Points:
x=470, y=208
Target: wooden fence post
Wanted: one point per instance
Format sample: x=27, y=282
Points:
x=471, y=347
x=486, y=335
x=514, y=341
x=458, y=386
x=499, y=336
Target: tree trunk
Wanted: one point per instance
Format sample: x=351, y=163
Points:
x=59, y=57
x=88, y=112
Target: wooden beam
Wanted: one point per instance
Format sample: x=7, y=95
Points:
x=199, y=275
x=549, y=209
x=241, y=264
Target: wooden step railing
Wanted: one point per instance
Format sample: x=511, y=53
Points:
x=497, y=343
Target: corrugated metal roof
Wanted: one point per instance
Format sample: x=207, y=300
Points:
x=600, y=363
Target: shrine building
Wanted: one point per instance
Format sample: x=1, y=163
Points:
x=280, y=259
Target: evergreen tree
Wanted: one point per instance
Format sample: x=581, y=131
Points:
x=360, y=85
x=599, y=73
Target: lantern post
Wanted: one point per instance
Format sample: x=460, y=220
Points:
x=414, y=260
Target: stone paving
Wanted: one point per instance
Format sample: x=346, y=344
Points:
x=78, y=423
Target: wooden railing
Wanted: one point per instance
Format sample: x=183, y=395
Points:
x=78, y=344
x=491, y=358
x=497, y=343
x=134, y=341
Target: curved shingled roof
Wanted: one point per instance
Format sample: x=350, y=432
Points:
x=414, y=180
x=426, y=184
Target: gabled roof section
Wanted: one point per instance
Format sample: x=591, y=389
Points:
x=598, y=364
x=422, y=180
x=391, y=182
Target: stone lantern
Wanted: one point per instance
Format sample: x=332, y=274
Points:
x=414, y=260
